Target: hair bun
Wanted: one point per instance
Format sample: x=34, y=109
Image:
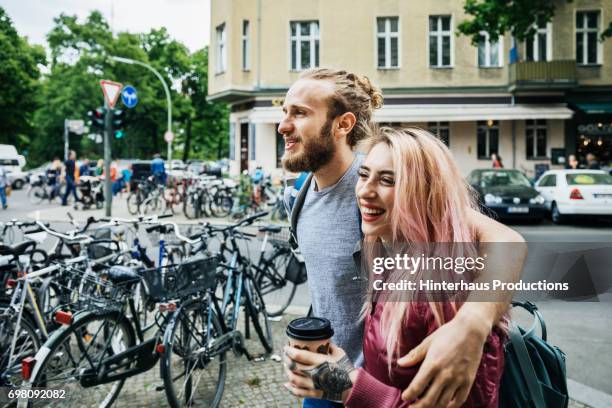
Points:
x=375, y=94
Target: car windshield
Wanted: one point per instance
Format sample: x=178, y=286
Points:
x=587, y=179
x=496, y=178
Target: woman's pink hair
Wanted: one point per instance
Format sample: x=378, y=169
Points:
x=431, y=205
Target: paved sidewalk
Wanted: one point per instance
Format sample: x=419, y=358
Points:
x=248, y=384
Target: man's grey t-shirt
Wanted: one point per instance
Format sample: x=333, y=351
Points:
x=327, y=230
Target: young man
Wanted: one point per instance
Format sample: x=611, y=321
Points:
x=326, y=113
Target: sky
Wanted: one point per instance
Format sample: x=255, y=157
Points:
x=187, y=21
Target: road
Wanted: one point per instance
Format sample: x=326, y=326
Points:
x=580, y=329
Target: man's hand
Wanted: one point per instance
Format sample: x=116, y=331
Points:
x=451, y=356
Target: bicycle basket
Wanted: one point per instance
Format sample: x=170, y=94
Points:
x=195, y=274
x=280, y=239
x=97, y=251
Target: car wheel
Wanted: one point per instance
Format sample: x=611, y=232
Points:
x=18, y=184
x=556, y=216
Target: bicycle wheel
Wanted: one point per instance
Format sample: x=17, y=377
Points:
x=221, y=204
x=27, y=345
x=277, y=291
x=74, y=360
x=133, y=202
x=193, y=376
x=190, y=206
x=255, y=309
x=36, y=195
x=153, y=205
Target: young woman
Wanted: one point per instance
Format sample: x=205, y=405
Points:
x=410, y=190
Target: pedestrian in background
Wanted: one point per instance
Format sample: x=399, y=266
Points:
x=70, y=177
x=158, y=169
x=572, y=162
x=100, y=168
x=592, y=162
x=53, y=173
x=497, y=161
x=4, y=183
x=84, y=168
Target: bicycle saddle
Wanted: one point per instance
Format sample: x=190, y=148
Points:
x=270, y=228
x=122, y=274
x=17, y=249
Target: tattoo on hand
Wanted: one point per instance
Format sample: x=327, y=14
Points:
x=332, y=378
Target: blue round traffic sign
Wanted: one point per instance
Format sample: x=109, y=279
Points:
x=129, y=96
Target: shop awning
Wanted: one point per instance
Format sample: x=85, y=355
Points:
x=595, y=108
x=468, y=113
x=435, y=113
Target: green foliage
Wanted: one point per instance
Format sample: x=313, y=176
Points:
x=19, y=86
x=79, y=53
x=518, y=17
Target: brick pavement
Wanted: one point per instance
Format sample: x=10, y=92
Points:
x=247, y=384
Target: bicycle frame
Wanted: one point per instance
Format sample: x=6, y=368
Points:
x=24, y=293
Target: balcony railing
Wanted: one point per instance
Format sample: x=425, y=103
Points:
x=534, y=75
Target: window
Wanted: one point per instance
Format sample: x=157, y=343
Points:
x=439, y=41
x=490, y=54
x=221, y=49
x=536, y=134
x=441, y=130
x=538, y=49
x=280, y=147
x=548, y=181
x=232, y=141
x=587, y=45
x=252, y=141
x=488, y=138
x=245, y=45
x=387, y=34
x=304, y=45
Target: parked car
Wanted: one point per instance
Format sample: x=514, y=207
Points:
x=508, y=194
x=13, y=164
x=572, y=193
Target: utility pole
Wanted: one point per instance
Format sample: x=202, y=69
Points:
x=108, y=131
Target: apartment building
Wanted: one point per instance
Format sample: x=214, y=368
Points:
x=555, y=99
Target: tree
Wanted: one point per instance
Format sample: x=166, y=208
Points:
x=19, y=84
x=519, y=17
x=207, y=133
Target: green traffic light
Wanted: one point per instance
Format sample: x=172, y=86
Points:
x=119, y=134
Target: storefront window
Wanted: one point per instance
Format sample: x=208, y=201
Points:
x=488, y=138
x=536, y=135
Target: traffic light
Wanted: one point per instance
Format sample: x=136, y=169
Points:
x=96, y=119
x=118, y=116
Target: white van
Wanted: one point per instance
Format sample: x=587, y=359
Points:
x=13, y=164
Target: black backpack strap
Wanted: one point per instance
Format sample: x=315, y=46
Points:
x=524, y=360
x=295, y=211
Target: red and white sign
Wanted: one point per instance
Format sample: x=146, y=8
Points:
x=168, y=136
x=111, y=91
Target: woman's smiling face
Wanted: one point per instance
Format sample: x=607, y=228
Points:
x=376, y=192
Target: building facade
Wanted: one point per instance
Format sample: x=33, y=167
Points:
x=532, y=103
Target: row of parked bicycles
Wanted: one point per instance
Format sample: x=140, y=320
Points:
x=206, y=196
x=84, y=310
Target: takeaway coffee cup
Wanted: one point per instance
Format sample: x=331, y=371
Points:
x=310, y=333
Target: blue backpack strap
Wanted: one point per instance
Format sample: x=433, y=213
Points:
x=296, y=201
x=297, y=186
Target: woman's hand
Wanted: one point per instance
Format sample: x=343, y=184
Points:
x=314, y=375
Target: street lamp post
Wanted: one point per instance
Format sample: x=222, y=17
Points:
x=166, y=89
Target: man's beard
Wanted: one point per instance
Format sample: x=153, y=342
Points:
x=317, y=152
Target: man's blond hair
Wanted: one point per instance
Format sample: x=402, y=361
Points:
x=352, y=93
